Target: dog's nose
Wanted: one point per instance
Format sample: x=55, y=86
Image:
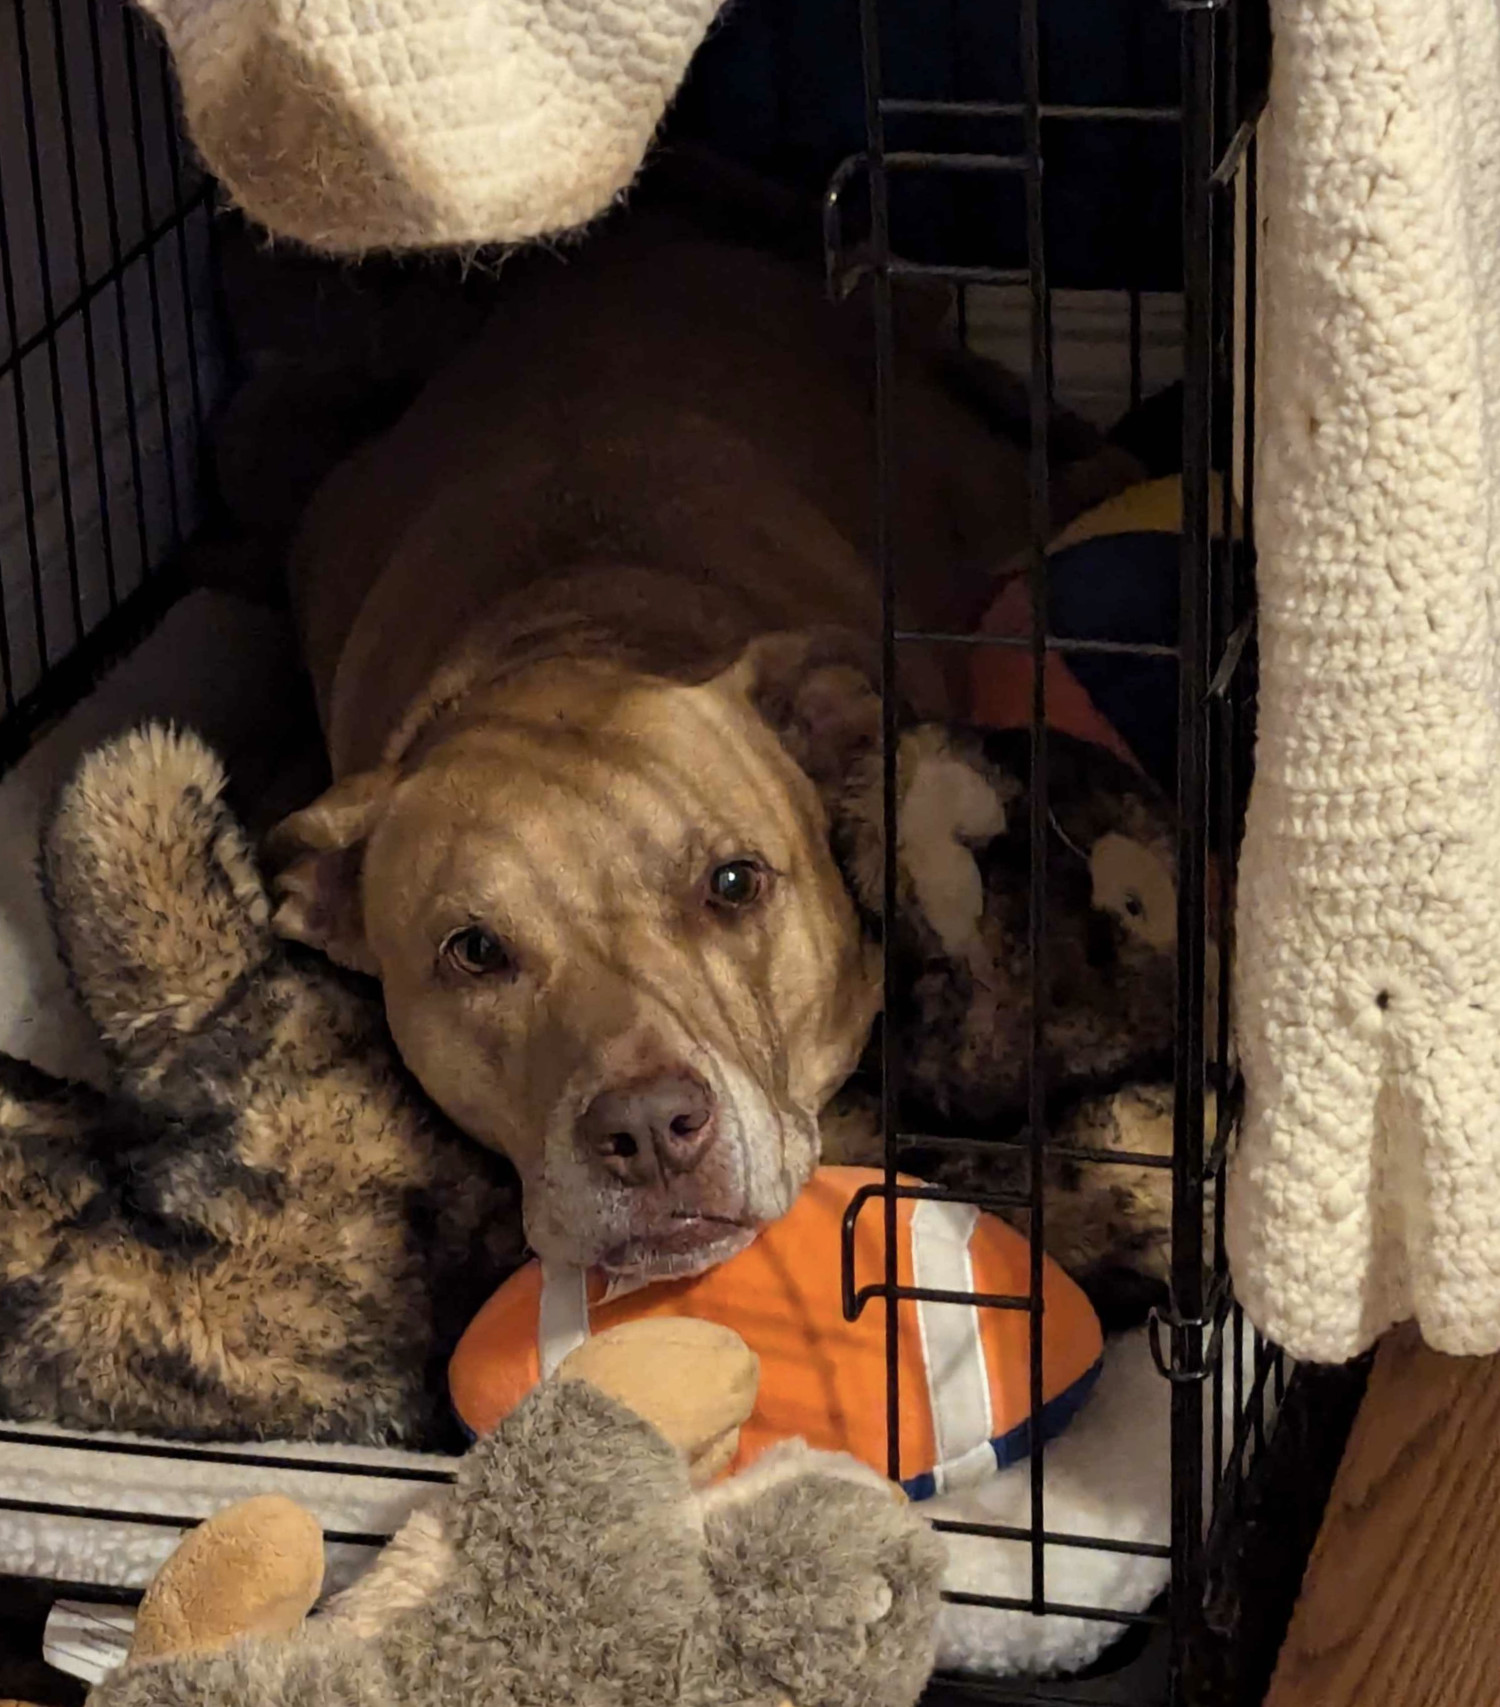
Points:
x=661, y=1125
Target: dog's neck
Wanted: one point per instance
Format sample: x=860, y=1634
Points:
x=624, y=619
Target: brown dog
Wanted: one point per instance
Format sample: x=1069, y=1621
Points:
x=591, y=631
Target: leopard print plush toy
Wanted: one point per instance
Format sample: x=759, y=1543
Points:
x=262, y=1230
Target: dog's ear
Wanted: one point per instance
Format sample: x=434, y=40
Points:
x=818, y=689
x=317, y=858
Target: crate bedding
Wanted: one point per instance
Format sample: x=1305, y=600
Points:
x=211, y=664
x=1105, y=1476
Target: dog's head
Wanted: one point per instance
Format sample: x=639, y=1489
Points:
x=613, y=939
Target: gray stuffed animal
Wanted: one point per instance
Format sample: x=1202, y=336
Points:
x=577, y=1560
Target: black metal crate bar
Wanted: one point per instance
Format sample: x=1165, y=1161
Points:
x=1216, y=122
x=110, y=347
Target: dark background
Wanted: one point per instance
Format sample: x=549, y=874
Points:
x=777, y=88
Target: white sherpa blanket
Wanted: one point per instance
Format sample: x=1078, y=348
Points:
x=1367, y=1186
x=352, y=125
x=1106, y=1477
x=104, y=1521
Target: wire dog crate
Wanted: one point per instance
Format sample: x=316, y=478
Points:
x=113, y=351
x=110, y=353
x=1223, y=68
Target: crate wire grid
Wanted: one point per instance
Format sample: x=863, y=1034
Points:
x=1222, y=96
x=110, y=346
x=96, y=194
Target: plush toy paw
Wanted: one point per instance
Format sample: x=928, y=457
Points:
x=828, y=1583
x=248, y=1080
x=694, y=1382
x=788, y=1461
x=573, y=1562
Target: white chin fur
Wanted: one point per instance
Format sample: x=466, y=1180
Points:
x=646, y=1266
x=571, y=1217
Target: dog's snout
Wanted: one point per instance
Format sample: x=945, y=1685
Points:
x=654, y=1127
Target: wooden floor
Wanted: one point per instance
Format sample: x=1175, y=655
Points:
x=1400, y=1606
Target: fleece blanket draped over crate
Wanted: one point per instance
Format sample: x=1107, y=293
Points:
x=1364, y=1190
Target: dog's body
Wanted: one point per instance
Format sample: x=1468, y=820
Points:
x=592, y=631
x=266, y=1231
x=660, y=449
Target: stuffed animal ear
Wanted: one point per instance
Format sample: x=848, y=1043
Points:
x=949, y=804
x=318, y=857
x=253, y=1569
x=817, y=688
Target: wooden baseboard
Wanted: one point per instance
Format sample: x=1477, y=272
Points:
x=1400, y=1606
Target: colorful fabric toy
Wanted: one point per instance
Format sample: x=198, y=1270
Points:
x=964, y=1369
x=1112, y=575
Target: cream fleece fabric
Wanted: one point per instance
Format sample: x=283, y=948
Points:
x=1366, y=1188
x=357, y=125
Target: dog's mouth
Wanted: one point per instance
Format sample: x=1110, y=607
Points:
x=687, y=1243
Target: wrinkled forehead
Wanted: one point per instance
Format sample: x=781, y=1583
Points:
x=566, y=799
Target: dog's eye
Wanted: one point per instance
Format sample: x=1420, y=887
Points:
x=737, y=883
x=477, y=951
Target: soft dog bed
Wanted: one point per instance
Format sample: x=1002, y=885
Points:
x=1105, y=1478
x=106, y=1509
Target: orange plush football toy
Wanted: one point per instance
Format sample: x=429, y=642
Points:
x=965, y=1369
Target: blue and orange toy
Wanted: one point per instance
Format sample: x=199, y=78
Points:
x=965, y=1368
